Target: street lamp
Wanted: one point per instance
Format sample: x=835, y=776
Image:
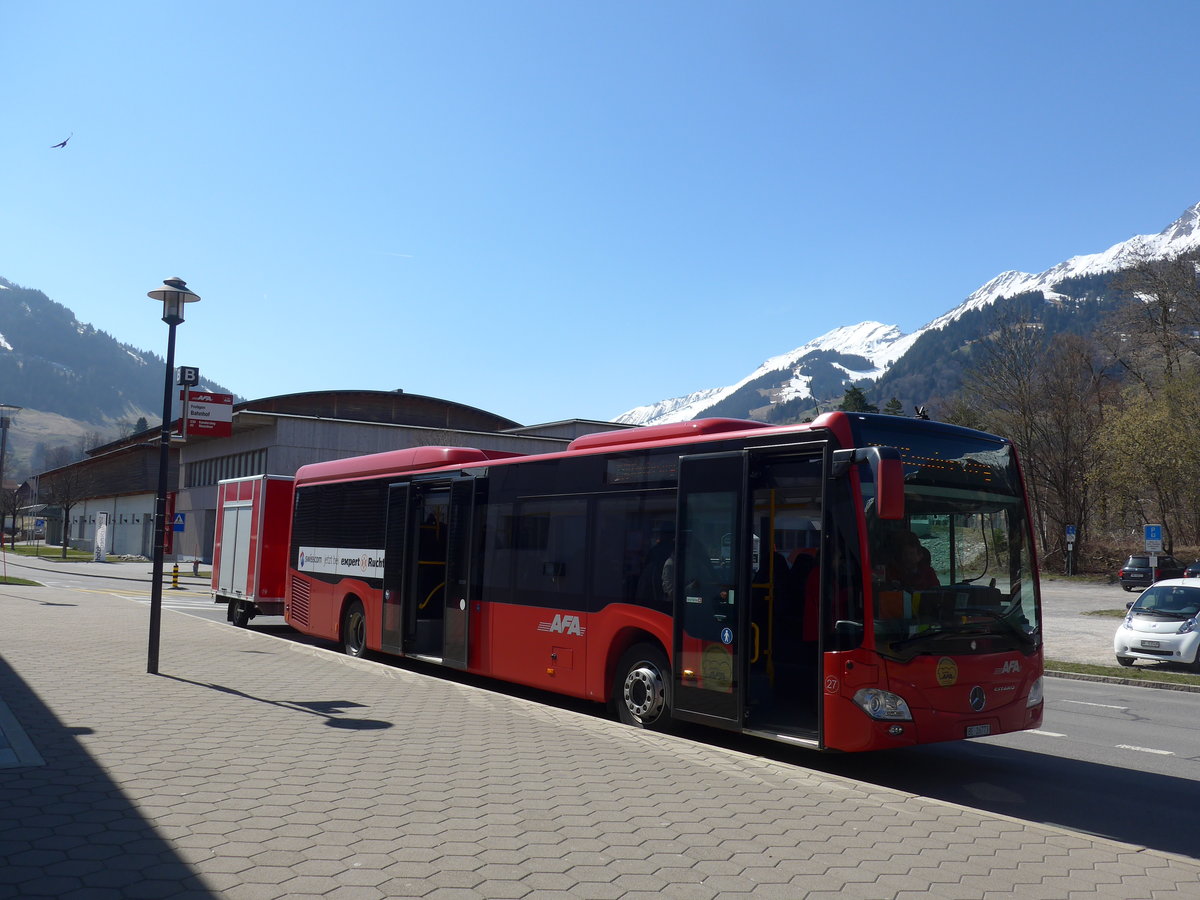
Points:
x=174, y=294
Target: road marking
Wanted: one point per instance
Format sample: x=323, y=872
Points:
x=1045, y=733
x=1101, y=705
x=182, y=600
x=1146, y=750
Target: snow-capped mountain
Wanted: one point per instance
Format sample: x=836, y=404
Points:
x=865, y=351
x=851, y=354
x=1181, y=236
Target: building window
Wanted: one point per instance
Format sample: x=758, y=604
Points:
x=237, y=465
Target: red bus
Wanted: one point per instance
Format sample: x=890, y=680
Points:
x=859, y=582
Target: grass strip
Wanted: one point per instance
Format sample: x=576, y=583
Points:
x=1149, y=672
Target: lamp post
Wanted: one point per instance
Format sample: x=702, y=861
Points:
x=174, y=294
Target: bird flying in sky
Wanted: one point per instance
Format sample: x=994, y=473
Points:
x=64, y=143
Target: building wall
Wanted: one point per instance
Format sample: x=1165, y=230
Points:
x=130, y=519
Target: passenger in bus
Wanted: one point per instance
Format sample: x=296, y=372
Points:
x=655, y=583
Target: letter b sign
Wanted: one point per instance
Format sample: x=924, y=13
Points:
x=189, y=376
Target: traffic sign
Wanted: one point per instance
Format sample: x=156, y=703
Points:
x=1153, y=538
x=178, y=522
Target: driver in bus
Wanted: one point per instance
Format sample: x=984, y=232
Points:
x=913, y=570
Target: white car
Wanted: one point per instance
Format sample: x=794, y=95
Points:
x=1162, y=625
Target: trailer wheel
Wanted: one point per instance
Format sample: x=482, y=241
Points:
x=642, y=688
x=354, y=629
x=243, y=614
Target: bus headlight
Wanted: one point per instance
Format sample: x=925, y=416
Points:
x=1035, y=693
x=882, y=704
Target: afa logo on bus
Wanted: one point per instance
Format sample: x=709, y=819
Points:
x=563, y=625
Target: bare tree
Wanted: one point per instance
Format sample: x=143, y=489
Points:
x=1050, y=395
x=57, y=457
x=1154, y=335
x=8, y=510
x=89, y=440
x=65, y=488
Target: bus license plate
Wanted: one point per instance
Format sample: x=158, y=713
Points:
x=978, y=730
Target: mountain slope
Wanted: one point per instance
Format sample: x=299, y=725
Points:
x=795, y=383
x=69, y=378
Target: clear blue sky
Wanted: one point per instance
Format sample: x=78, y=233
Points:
x=557, y=209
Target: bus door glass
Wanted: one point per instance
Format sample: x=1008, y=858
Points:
x=786, y=493
x=427, y=569
x=711, y=589
x=424, y=615
x=394, y=567
x=459, y=574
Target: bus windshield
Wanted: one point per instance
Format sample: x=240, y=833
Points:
x=956, y=574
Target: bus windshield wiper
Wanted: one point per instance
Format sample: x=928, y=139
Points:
x=1025, y=636
x=959, y=630
x=932, y=632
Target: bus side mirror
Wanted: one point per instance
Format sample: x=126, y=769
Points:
x=887, y=470
x=889, y=483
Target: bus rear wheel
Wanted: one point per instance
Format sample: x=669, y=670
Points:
x=642, y=688
x=354, y=629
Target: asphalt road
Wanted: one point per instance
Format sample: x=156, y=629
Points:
x=1113, y=760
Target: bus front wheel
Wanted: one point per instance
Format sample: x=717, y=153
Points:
x=642, y=688
x=354, y=629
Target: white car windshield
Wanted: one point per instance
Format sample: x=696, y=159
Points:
x=1173, y=600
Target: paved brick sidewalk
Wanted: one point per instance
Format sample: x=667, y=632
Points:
x=257, y=768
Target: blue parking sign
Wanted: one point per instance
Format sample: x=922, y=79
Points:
x=1153, y=538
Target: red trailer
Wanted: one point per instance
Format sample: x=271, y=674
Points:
x=250, y=554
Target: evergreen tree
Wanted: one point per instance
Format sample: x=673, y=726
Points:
x=855, y=400
x=894, y=407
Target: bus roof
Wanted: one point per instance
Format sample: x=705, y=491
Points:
x=668, y=431
x=395, y=462
x=844, y=426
